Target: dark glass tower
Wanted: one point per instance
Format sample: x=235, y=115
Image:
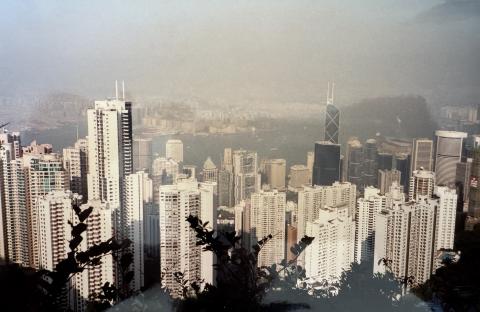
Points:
x=370, y=163
x=402, y=164
x=385, y=161
x=326, y=164
x=332, y=123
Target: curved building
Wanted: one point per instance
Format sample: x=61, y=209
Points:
x=448, y=153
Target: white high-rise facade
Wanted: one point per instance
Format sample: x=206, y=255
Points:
x=332, y=249
x=174, y=150
x=267, y=217
x=367, y=209
x=422, y=183
x=91, y=280
x=340, y=195
x=138, y=194
x=178, y=249
x=409, y=234
x=109, y=150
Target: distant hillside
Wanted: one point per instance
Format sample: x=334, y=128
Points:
x=404, y=116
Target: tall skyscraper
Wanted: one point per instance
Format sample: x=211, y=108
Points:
x=298, y=177
x=43, y=173
x=142, y=154
x=110, y=157
x=402, y=164
x=138, y=194
x=339, y=196
x=174, y=150
x=331, y=252
x=10, y=149
x=178, y=249
x=275, y=171
x=164, y=171
x=75, y=163
x=462, y=181
x=310, y=160
x=386, y=178
x=422, y=155
x=448, y=153
x=474, y=187
x=422, y=183
x=326, y=166
x=209, y=171
x=354, y=163
x=225, y=188
x=332, y=118
x=384, y=161
x=367, y=209
x=91, y=280
x=409, y=234
x=267, y=217
x=370, y=163
x=246, y=176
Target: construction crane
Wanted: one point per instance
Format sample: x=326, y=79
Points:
x=5, y=124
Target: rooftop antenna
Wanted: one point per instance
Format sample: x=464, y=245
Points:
x=116, y=89
x=123, y=89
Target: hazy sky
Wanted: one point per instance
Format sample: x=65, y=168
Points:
x=236, y=51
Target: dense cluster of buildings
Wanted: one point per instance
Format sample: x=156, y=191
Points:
x=382, y=199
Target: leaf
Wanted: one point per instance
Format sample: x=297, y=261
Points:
x=82, y=216
x=78, y=229
x=75, y=242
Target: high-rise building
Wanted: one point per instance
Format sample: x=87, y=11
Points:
x=44, y=173
x=422, y=183
x=178, y=249
x=474, y=188
x=75, y=163
x=339, y=196
x=142, y=154
x=110, y=155
x=298, y=177
x=386, y=178
x=275, y=171
x=447, y=154
x=367, y=209
x=267, y=217
x=354, y=163
x=138, y=194
x=174, y=150
x=54, y=214
x=227, y=160
x=310, y=160
x=91, y=280
x=246, y=176
x=370, y=163
x=409, y=234
x=331, y=252
x=402, y=164
x=422, y=155
x=210, y=171
x=326, y=166
x=462, y=181
x=332, y=119
x=384, y=161
x=10, y=149
x=225, y=188
x=164, y=172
